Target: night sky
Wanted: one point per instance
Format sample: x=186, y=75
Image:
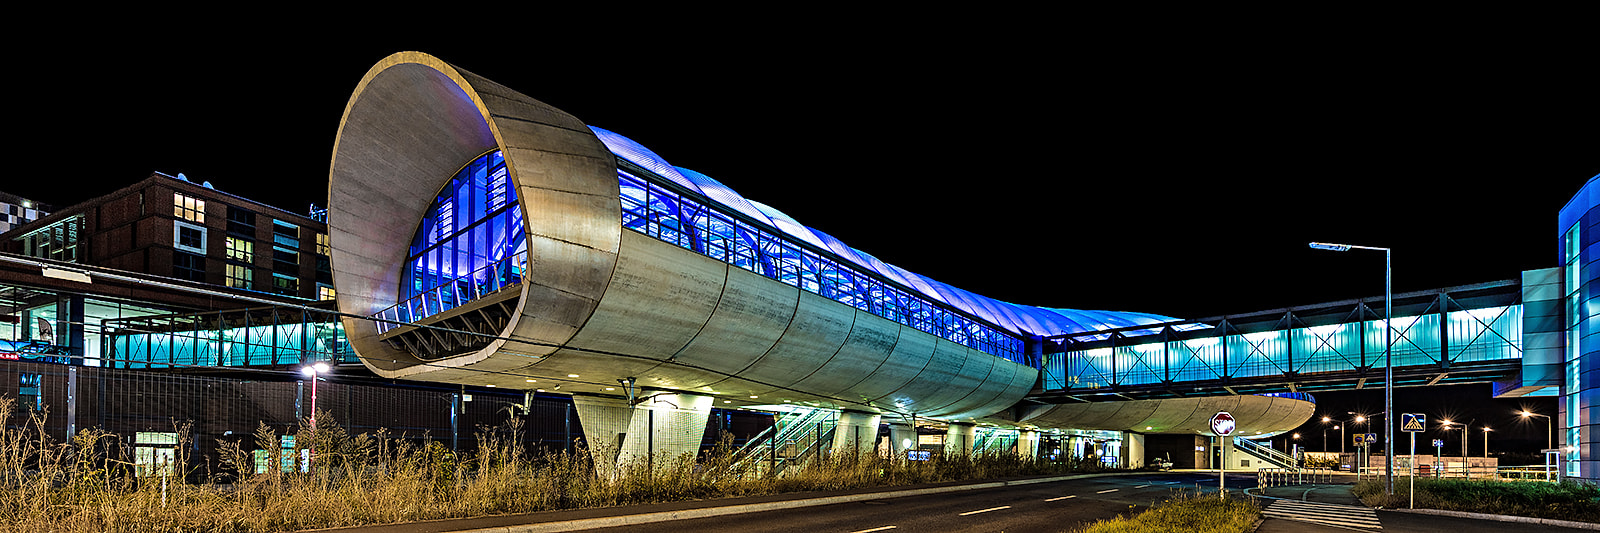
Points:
x=1173, y=174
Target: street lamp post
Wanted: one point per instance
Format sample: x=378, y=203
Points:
x=1339, y=427
x=1549, y=425
x=313, y=371
x=1388, y=356
x=1486, y=431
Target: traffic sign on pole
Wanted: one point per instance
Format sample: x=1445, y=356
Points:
x=1222, y=425
x=1413, y=422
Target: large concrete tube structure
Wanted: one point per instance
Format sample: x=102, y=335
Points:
x=598, y=304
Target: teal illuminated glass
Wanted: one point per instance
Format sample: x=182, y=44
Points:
x=1475, y=335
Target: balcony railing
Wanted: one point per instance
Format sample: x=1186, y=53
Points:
x=486, y=280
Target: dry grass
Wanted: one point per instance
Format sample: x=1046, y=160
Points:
x=90, y=483
x=1186, y=512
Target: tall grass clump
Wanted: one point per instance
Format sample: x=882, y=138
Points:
x=1186, y=512
x=1568, y=500
x=90, y=483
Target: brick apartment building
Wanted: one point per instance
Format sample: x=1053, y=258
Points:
x=168, y=226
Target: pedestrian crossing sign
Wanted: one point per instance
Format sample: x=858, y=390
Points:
x=1413, y=422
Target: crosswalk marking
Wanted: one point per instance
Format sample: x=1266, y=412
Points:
x=1325, y=513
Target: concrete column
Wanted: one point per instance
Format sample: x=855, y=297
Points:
x=651, y=434
x=856, y=433
x=958, y=439
x=1027, y=443
x=1132, y=449
x=902, y=437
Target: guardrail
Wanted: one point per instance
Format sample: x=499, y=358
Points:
x=1279, y=477
x=445, y=296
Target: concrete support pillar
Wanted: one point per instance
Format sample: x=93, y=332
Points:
x=1132, y=449
x=958, y=439
x=1027, y=443
x=902, y=438
x=652, y=434
x=856, y=433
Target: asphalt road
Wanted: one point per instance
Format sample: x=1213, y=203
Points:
x=1043, y=507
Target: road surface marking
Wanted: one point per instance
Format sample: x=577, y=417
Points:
x=1141, y=486
x=1105, y=491
x=1061, y=498
x=884, y=528
x=1327, y=514
x=985, y=510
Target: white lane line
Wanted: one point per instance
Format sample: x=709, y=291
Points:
x=1141, y=486
x=884, y=528
x=1105, y=491
x=1062, y=498
x=985, y=510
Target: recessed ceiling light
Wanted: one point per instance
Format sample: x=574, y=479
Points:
x=572, y=375
x=611, y=388
x=754, y=396
x=533, y=381
x=538, y=390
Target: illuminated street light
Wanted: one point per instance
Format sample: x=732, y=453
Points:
x=312, y=371
x=1549, y=425
x=1388, y=356
x=1486, y=431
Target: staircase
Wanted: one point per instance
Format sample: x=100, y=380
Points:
x=1264, y=453
x=794, y=438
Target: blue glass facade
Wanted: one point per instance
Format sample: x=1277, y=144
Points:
x=1578, y=419
x=698, y=213
x=470, y=243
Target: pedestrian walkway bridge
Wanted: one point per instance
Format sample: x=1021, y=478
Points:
x=1462, y=334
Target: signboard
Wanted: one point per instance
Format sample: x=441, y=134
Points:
x=1222, y=424
x=1438, y=443
x=1413, y=422
x=1372, y=438
x=1358, y=438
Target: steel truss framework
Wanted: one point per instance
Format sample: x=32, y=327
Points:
x=1462, y=334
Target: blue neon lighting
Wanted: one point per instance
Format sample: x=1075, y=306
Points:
x=662, y=214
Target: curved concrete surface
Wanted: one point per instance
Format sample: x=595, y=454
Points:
x=599, y=303
x=1254, y=415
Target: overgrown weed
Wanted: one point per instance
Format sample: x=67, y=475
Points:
x=90, y=482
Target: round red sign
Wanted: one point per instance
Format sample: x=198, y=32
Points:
x=1222, y=424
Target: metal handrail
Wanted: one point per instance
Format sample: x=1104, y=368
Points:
x=1265, y=452
x=453, y=293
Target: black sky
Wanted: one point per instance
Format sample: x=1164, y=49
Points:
x=1079, y=163
x=1181, y=178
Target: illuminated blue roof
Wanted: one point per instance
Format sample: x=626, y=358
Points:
x=1019, y=319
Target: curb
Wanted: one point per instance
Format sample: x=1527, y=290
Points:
x=1502, y=518
x=1475, y=516
x=663, y=516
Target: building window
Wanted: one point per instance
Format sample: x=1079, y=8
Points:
x=241, y=249
x=285, y=260
x=286, y=234
x=189, y=237
x=241, y=222
x=239, y=276
x=58, y=241
x=323, y=247
x=189, y=208
x=188, y=266
x=285, y=285
x=324, y=292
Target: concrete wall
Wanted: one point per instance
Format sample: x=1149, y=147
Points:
x=600, y=303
